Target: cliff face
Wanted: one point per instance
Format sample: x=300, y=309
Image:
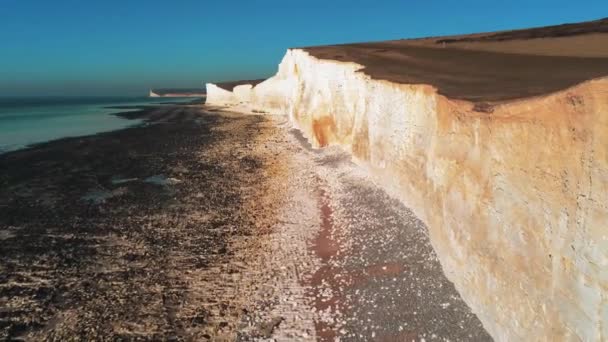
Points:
x=515, y=195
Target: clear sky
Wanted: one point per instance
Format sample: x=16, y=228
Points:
x=108, y=47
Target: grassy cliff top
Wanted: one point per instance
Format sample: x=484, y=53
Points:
x=487, y=67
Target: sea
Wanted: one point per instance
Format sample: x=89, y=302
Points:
x=29, y=120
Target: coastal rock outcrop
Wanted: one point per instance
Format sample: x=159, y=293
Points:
x=515, y=194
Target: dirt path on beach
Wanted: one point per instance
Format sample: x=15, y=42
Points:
x=211, y=225
x=375, y=276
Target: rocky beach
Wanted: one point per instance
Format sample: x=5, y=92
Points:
x=205, y=223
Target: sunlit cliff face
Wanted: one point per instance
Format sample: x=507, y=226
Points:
x=515, y=198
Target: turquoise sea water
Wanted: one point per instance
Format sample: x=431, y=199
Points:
x=28, y=120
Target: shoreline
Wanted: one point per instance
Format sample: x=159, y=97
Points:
x=92, y=226
x=133, y=113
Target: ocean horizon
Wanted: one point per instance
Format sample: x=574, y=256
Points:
x=29, y=120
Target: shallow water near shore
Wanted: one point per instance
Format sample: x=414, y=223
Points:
x=29, y=120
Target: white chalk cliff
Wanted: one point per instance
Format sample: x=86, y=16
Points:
x=516, y=201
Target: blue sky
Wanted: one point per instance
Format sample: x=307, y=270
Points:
x=108, y=47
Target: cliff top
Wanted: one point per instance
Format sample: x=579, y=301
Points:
x=487, y=67
x=231, y=84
